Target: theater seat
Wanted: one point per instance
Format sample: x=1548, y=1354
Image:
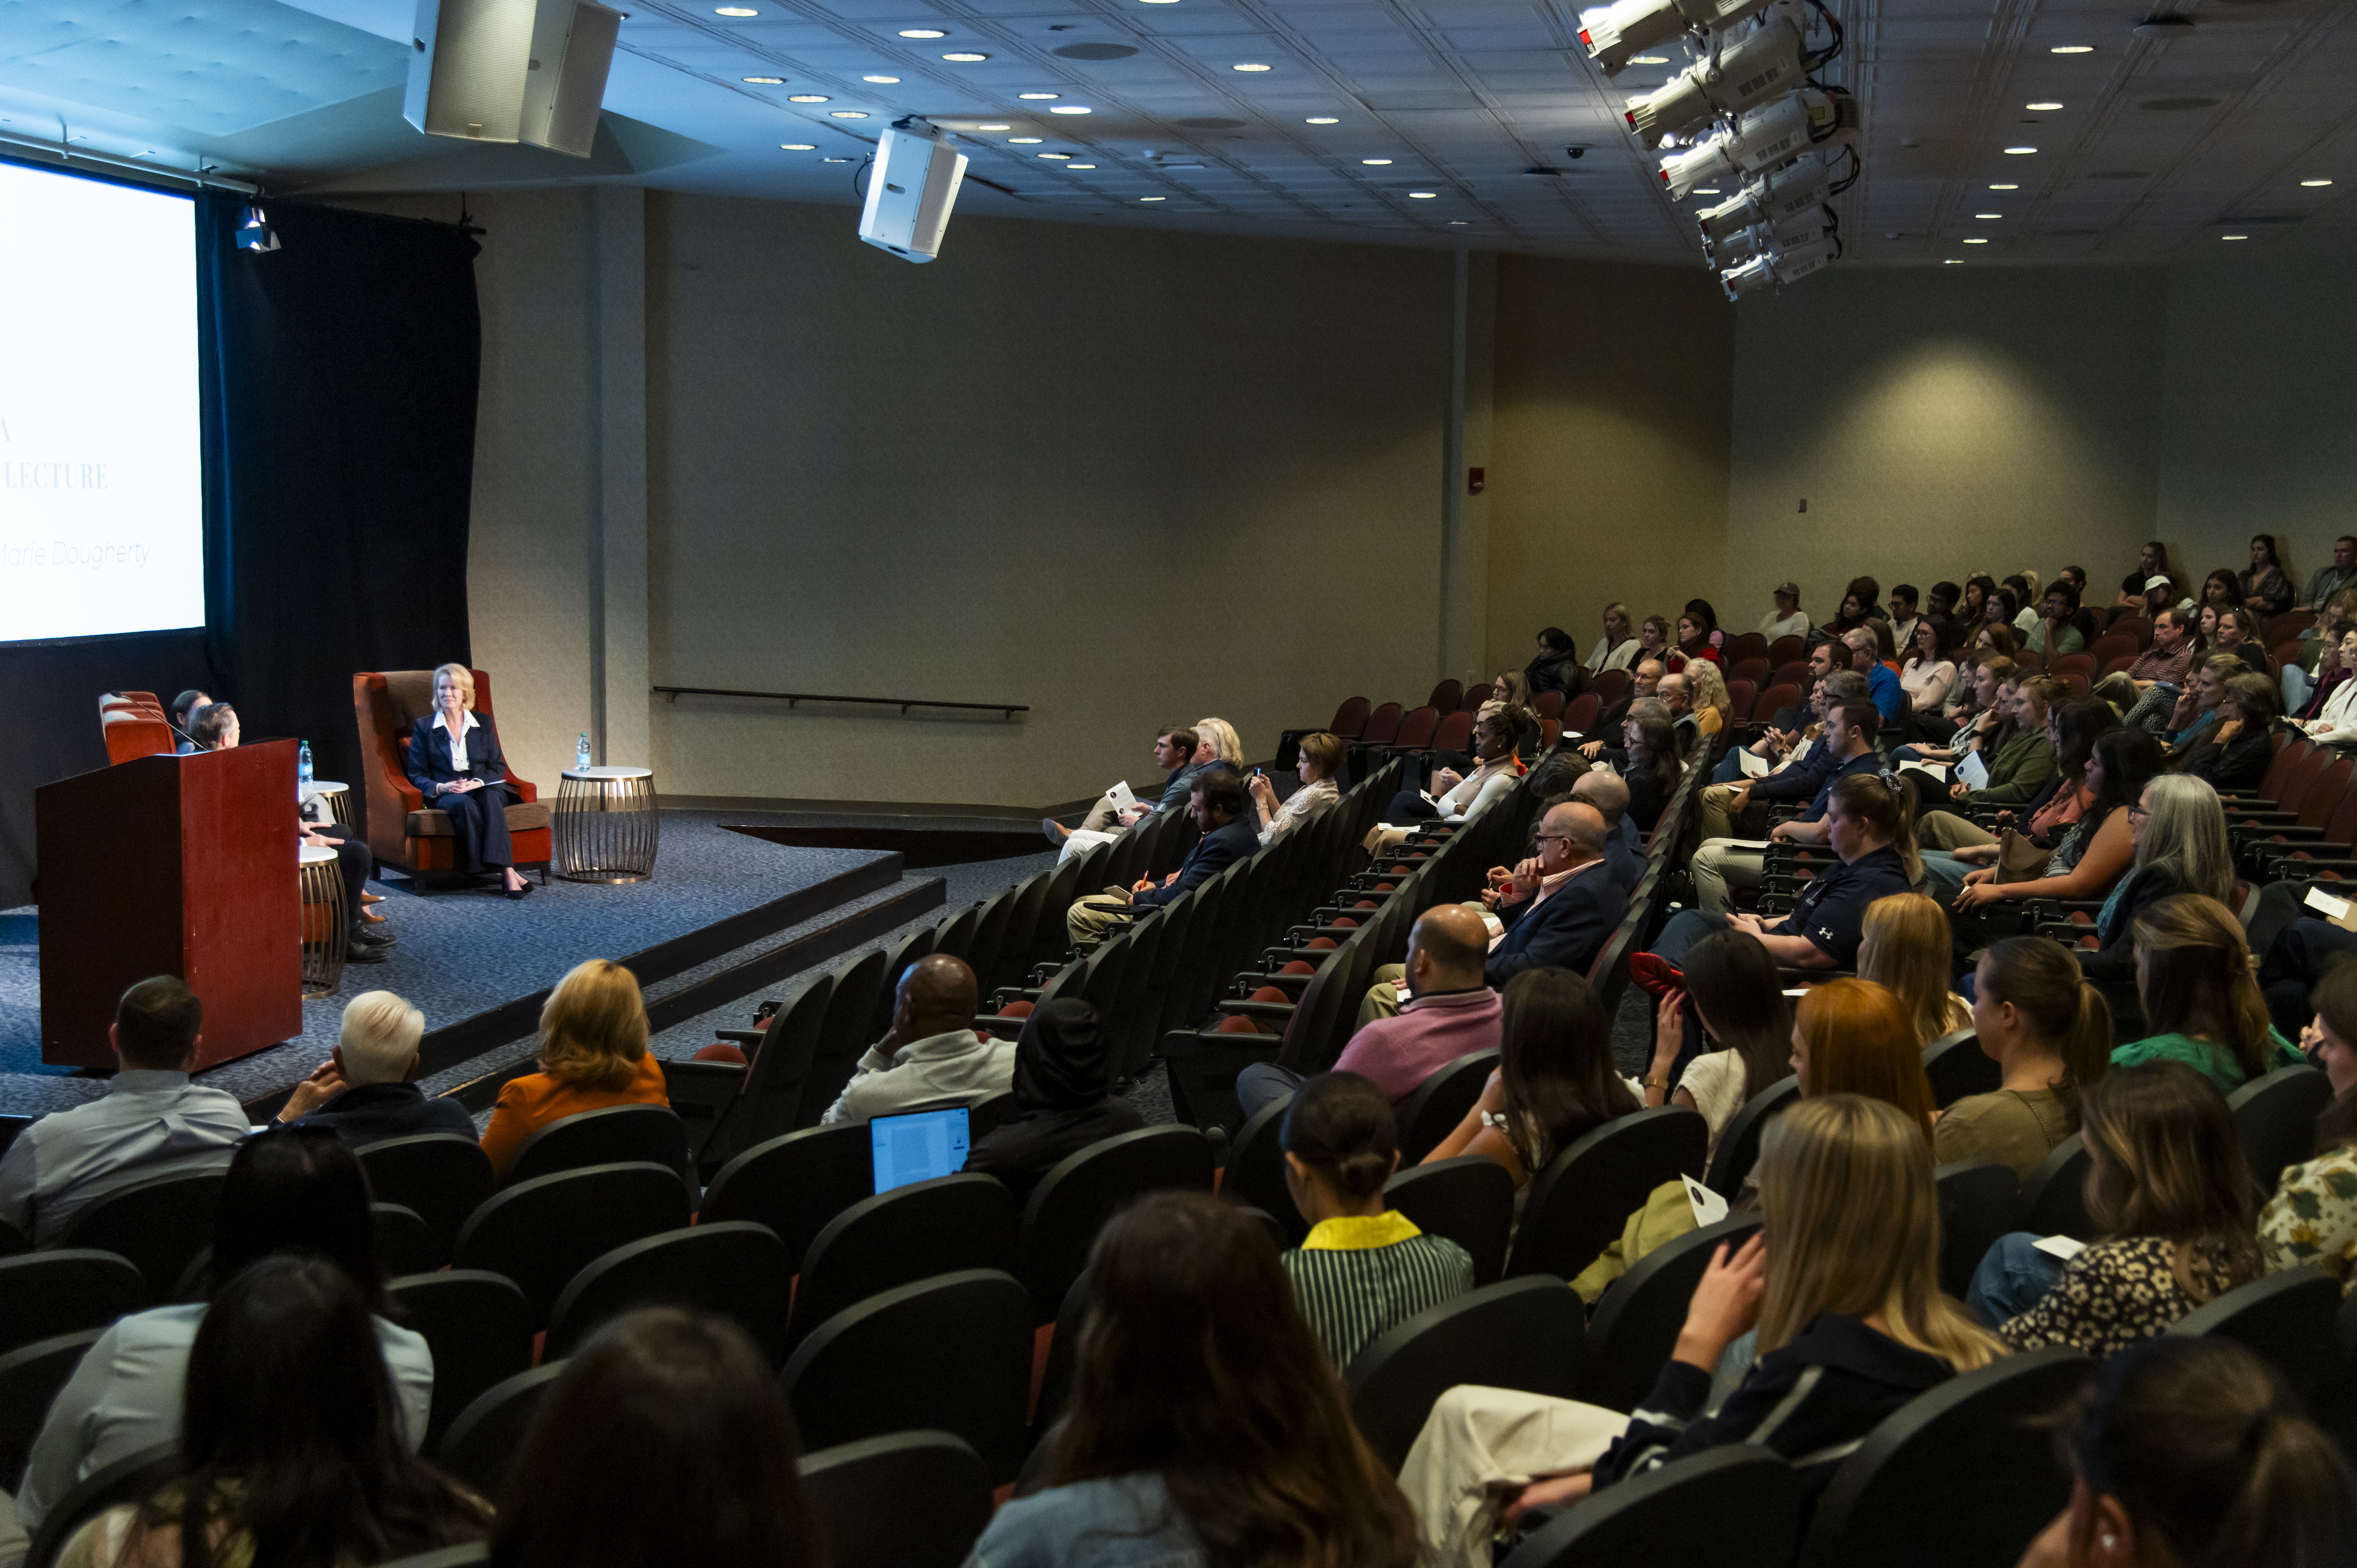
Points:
x=402, y=833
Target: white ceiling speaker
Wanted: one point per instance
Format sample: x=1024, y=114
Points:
x=911, y=191
x=511, y=71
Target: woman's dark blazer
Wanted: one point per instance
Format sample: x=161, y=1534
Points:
x=429, y=757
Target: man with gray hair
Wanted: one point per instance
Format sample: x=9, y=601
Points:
x=363, y=1092
x=1624, y=847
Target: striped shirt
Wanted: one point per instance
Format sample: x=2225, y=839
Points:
x=1358, y=1276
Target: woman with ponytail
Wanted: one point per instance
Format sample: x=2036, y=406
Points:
x=1365, y=1268
x=2201, y=1002
x=2312, y=1218
x=2049, y=1033
x=2191, y=1454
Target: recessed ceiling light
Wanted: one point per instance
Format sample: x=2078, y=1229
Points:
x=765, y=81
x=964, y=57
x=887, y=80
x=2312, y=184
x=1706, y=190
x=1149, y=199
x=1649, y=59
x=1051, y=155
x=834, y=160
x=1976, y=241
x=1039, y=96
x=733, y=11
x=1457, y=222
x=2020, y=152
x=923, y=33
x=1988, y=214
x=1422, y=194
x=797, y=146
x=2040, y=108
x=846, y=113
x=1321, y=119
x=2234, y=236
x=808, y=98
x=1068, y=109
x=2071, y=49
x=994, y=127
x=1026, y=141
x=1953, y=262
x=1248, y=66
x=1375, y=163
x=2004, y=187
x=1092, y=165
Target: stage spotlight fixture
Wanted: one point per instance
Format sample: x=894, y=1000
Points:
x=1780, y=266
x=1749, y=72
x=1771, y=200
x=1615, y=34
x=1764, y=138
x=253, y=231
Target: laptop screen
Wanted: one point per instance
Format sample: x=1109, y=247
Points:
x=918, y=1146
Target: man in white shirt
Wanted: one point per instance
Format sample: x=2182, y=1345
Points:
x=151, y=1122
x=1903, y=621
x=1786, y=619
x=1619, y=644
x=932, y=1053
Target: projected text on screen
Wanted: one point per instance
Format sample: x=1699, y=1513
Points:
x=102, y=485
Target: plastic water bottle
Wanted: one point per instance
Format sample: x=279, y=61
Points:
x=581, y=753
x=303, y=765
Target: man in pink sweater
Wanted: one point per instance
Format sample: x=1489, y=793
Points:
x=1452, y=1015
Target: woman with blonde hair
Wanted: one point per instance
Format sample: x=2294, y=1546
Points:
x=1905, y=951
x=1714, y=709
x=2169, y=1192
x=1852, y=1037
x=2201, y=1002
x=2049, y=1033
x=1851, y=1326
x=593, y=1054
x=454, y=762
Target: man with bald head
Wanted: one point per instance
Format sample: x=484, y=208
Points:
x=932, y=1053
x=1451, y=1013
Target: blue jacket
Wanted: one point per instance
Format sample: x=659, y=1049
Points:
x=1177, y=787
x=1566, y=930
x=1212, y=854
x=1624, y=852
x=1884, y=688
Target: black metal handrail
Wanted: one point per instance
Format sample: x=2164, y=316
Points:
x=673, y=693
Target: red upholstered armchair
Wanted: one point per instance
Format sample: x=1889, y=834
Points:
x=402, y=833
x=135, y=726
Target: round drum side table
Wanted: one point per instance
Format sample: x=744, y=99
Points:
x=337, y=797
x=327, y=923
x=607, y=825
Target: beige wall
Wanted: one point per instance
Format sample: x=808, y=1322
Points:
x=1940, y=422
x=1608, y=472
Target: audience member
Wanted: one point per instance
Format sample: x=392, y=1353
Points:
x=293, y=1189
x=1904, y=613
x=2160, y=672
x=2326, y=580
x=1555, y=1082
x=2201, y=1000
x=1365, y=1268
x=1174, y=752
x=2317, y=654
x=1216, y=800
x=2152, y=561
x=2197, y=709
x=1693, y=641
x=1644, y=682
x=1974, y=710
x=1714, y=709
x=1998, y=636
x=2016, y=754
x=1804, y=760
x=2191, y=1451
x=1904, y=948
x=593, y=1054
x=1450, y=1012
x=1461, y=798
x=2181, y=847
x=1930, y=672
x=1720, y=865
x=667, y=1440
x=2236, y=635
x=1881, y=683
x=1613, y=650
x=1319, y=762
x=1857, y=607
x=2050, y=1033
x=1653, y=640
x=931, y=1053
x=2094, y=852
x=1733, y=996
x=1206, y=1423
x=2170, y=1193
x=1851, y=1327
x=1655, y=761
x=2221, y=590
x=1785, y=619
x=1624, y=844
x=1063, y=1097
x=2052, y=632
x=2263, y=587
x=150, y=1121
x=2312, y=1216
x=1954, y=842
x=1979, y=587
x=183, y=718
x=1554, y=667
x=292, y=1447
x=1558, y=907
x=2325, y=709
x=363, y=1092
x=2234, y=754
x=1852, y=1037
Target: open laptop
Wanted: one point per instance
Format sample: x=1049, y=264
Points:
x=918, y=1146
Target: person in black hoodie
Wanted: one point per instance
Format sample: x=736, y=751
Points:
x=1555, y=667
x=1063, y=1099
x=1850, y=1323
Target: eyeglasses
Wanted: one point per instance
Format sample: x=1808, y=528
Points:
x=2137, y=812
x=1552, y=838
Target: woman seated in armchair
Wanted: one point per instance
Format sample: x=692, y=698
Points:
x=455, y=763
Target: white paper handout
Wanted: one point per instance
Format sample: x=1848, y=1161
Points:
x=2062, y=1247
x=1754, y=765
x=1120, y=795
x=1973, y=771
x=1709, y=1208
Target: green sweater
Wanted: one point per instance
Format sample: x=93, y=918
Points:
x=2017, y=770
x=2214, y=1062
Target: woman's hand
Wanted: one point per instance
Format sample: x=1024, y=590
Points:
x=2228, y=729
x=1493, y=1093
x=1444, y=780
x=1669, y=1033
x=1725, y=1304
x=1959, y=790
x=1569, y=1489
x=1978, y=891
x=1262, y=790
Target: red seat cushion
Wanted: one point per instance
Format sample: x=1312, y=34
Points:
x=1237, y=1024
x=1321, y=943
x=1299, y=966
x=720, y=1051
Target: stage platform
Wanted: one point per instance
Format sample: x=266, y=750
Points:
x=729, y=916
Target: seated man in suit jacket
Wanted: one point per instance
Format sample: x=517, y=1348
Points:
x=1216, y=801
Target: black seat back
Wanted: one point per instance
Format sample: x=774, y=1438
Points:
x=859, y=1496
x=405, y=1244
x=1073, y=1200
x=917, y=944
x=542, y=1232
x=160, y=1223
x=30, y=1377
x=1738, y=1141
x=1582, y=1202
x=1733, y=1507
x=796, y=1183
x=1468, y=1199
x=1523, y=1334
x=127, y=1481
x=738, y=1270
x=609, y=1135
x=2287, y=1319
x=1977, y=1202
x=443, y=1176
x=939, y=1227
x=947, y=1354
x=2054, y=1198
x=769, y=1105
x=1637, y=1321
x=1254, y=1172
x=1958, y=1067
x=1440, y=1103
x=2277, y=1118
x=485, y=1439
x=478, y=1326
x=844, y=1037
x=44, y=1295
x=1962, y=1475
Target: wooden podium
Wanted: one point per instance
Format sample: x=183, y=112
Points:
x=172, y=866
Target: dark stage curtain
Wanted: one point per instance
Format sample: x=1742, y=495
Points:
x=340, y=443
